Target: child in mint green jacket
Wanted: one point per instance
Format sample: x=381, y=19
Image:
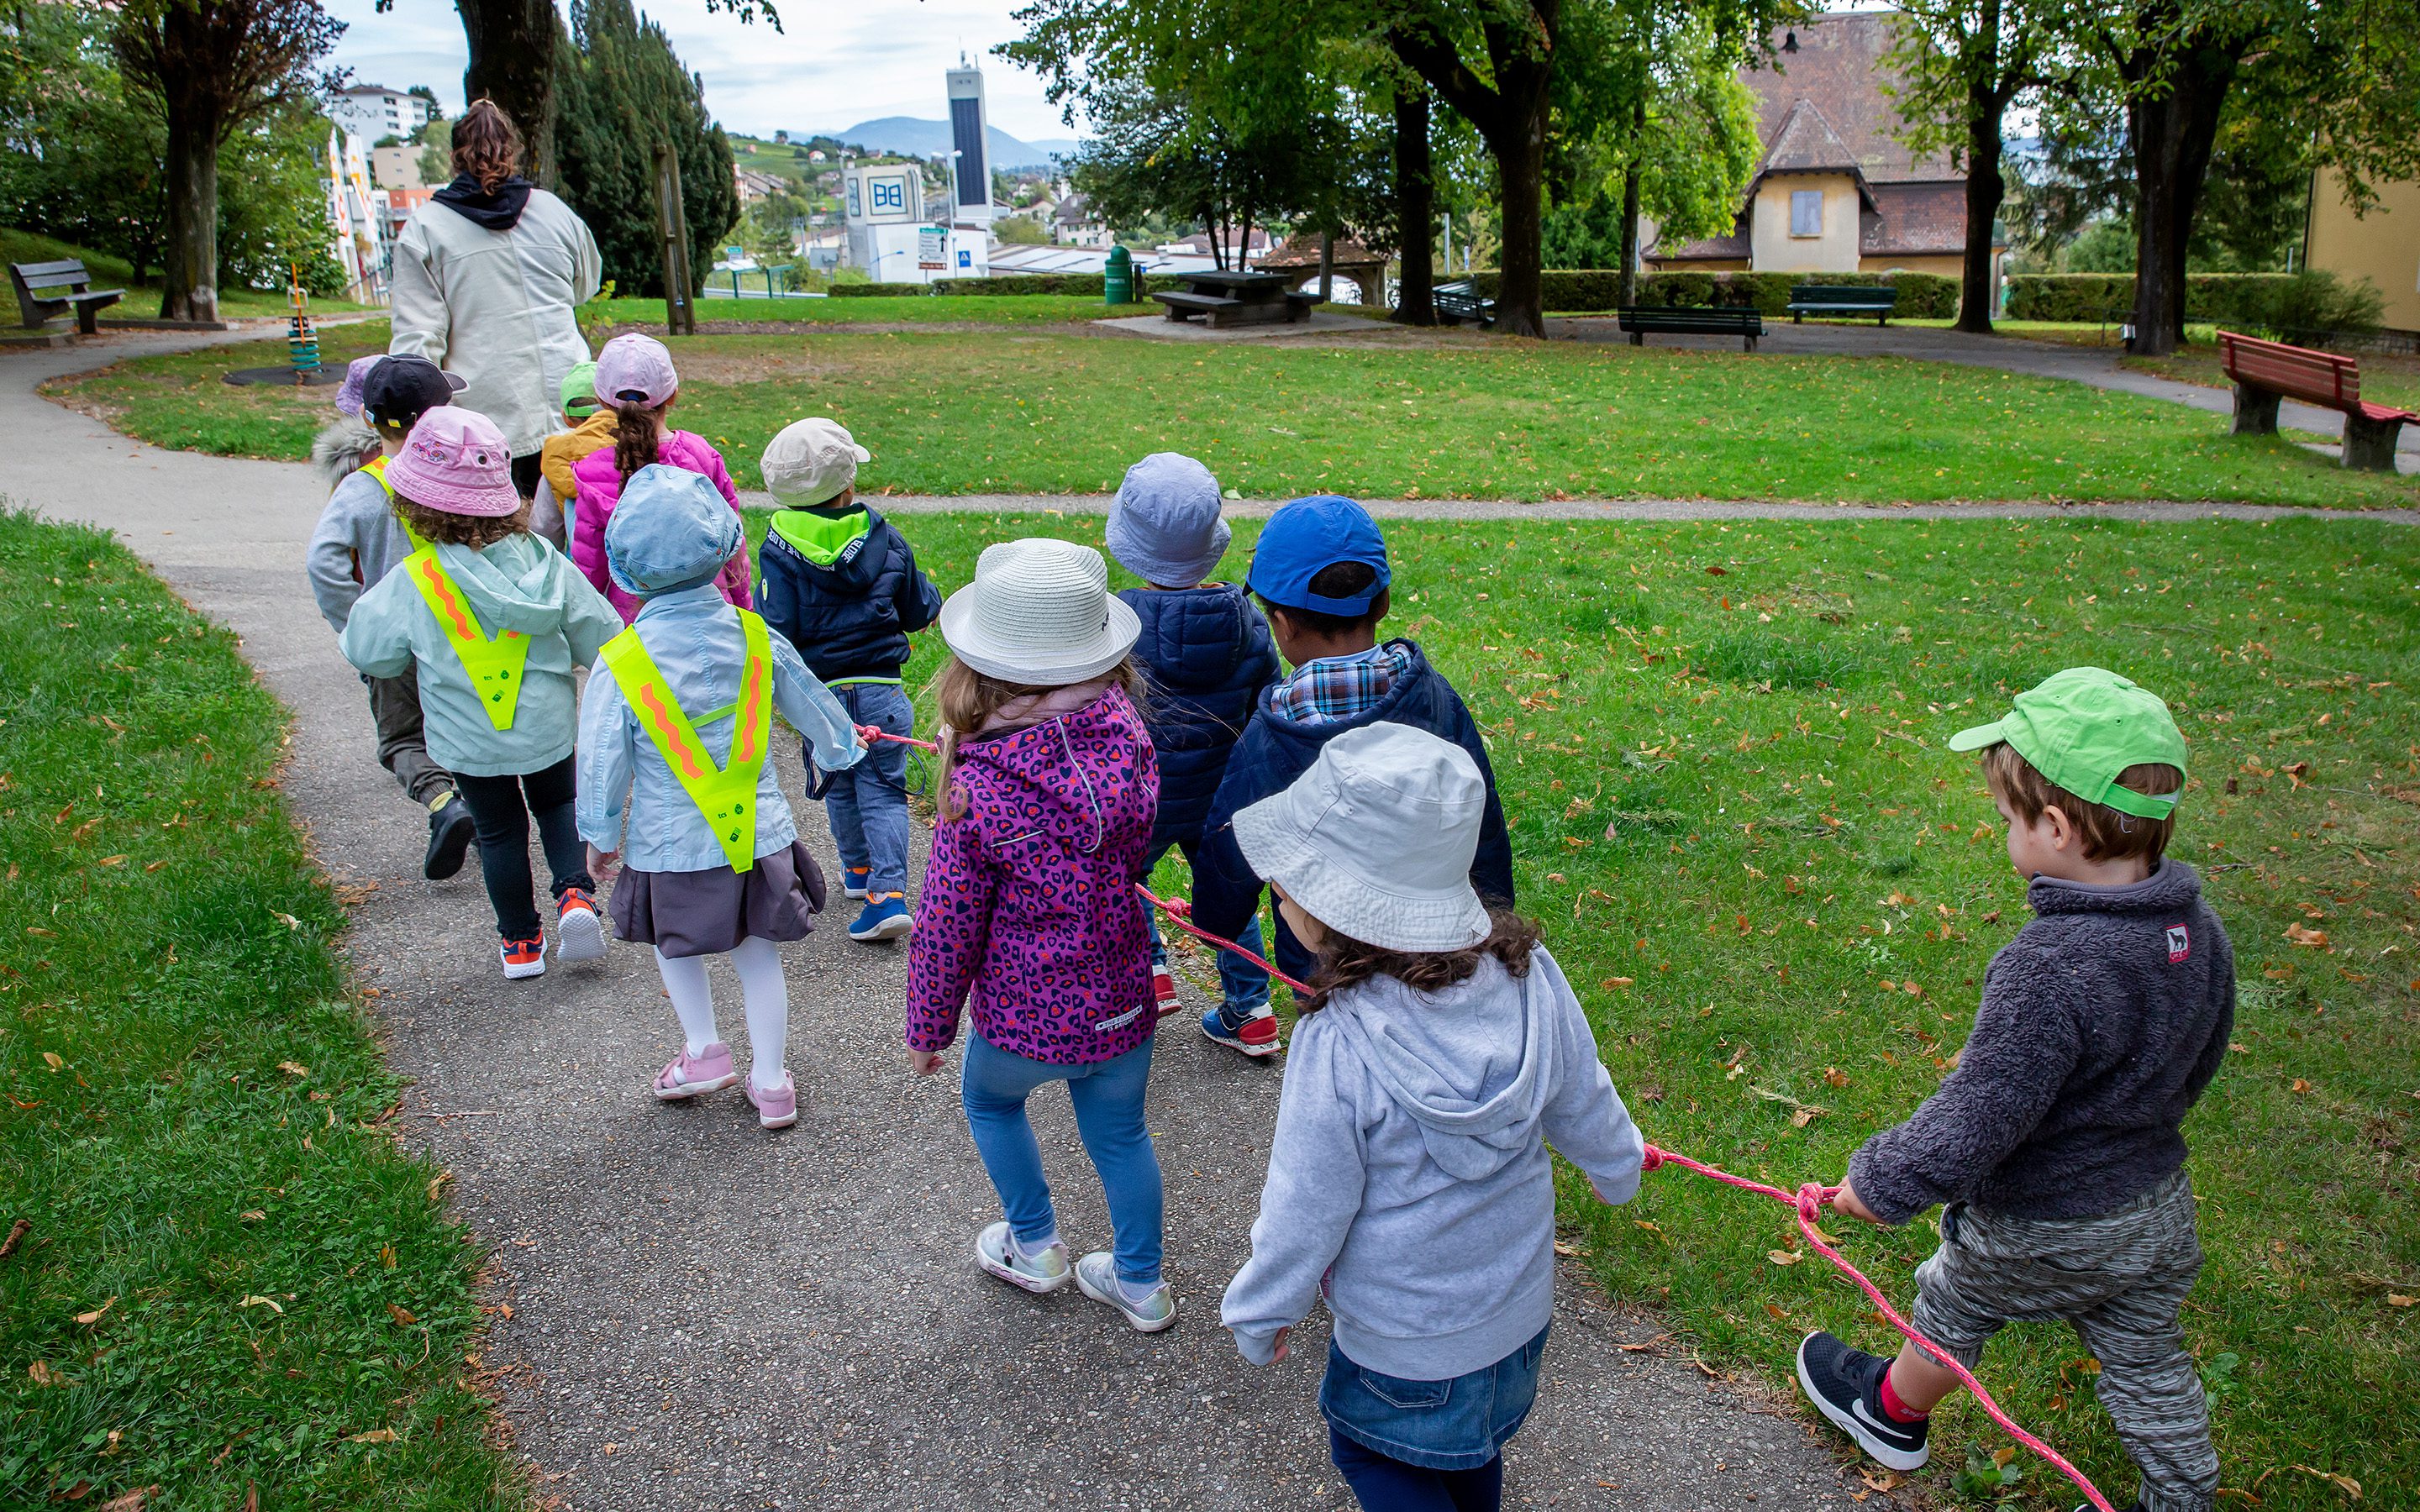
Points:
x=494, y=618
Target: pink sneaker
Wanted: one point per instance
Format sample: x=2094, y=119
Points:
x=692, y=1074
x=777, y=1108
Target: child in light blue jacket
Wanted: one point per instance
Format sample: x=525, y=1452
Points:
x=679, y=721
x=493, y=620
x=1409, y=1178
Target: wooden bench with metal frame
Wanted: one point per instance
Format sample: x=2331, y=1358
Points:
x=2265, y=372
x=1692, y=321
x=47, y=290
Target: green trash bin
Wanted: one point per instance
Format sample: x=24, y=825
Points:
x=1117, y=279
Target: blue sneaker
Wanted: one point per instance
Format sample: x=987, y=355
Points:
x=1253, y=1030
x=886, y=917
x=853, y=878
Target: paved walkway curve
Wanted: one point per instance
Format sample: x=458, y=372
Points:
x=708, y=1317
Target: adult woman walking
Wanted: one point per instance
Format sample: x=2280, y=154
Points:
x=487, y=276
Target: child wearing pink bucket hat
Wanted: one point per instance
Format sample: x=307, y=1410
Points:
x=493, y=620
x=635, y=379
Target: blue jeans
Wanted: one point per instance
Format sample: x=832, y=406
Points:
x=867, y=803
x=1384, y=1485
x=1243, y=987
x=1107, y=1096
x=1459, y=1424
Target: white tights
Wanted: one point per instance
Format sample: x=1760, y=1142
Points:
x=763, y=990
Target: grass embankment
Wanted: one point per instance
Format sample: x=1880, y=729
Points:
x=1721, y=754
x=230, y=1276
x=982, y=412
x=142, y=300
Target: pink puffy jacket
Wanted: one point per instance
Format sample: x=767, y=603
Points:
x=600, y=488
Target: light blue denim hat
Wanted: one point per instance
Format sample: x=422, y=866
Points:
x=672, y=529
x=1164, y=525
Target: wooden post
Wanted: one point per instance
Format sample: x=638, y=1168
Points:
x=1326, y=267
x=672, y=228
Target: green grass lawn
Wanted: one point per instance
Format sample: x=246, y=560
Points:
x=1045, y=411
x=1720, y=749
x=229, y=1275
x=142, y=300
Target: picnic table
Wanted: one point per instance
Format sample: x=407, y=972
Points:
x=53, y=288
x=1237, y=299
x=2267, y=371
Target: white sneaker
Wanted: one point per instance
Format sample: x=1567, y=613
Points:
x=1097, y=1276
x=997, y=1254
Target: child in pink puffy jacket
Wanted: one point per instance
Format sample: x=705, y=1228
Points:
x=634, y=375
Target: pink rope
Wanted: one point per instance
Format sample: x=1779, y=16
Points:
x=1809, y=1202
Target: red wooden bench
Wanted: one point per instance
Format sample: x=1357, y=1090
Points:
x=2267, y=371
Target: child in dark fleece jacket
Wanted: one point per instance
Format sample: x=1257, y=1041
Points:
x=2056, y=1142
x=1320, y=570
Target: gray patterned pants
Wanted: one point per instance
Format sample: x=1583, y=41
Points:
x=2119, y=1279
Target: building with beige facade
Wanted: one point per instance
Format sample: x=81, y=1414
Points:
x=2383, y=246
x=1837, y=190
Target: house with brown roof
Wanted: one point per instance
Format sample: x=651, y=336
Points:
x=1837, y=190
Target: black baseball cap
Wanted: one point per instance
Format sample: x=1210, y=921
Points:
x=400, y=389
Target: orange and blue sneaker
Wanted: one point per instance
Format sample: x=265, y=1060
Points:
x=523, y=958
x=853, y=880
x=885, y=917
x=578, y=934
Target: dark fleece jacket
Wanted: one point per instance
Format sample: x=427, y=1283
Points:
x=1275, y=750
x=2101, y=1023
x=1205, y=654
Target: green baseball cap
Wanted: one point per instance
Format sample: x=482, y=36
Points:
x=579, y=391
x=2080, y=728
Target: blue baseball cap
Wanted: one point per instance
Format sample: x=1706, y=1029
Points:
x=1309, y=535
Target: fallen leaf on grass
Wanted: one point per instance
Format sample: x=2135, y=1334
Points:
x=1562, y=1248
x=94, y=1316
x=1877, y=1480
x=373, y=1436
x=50, y=1058
x=1835, y=1076
x=293, y=1068
x=110, y=860
x=41, y=1374
x=128, y=1501
x=1784, y=1257
x=2305, y=936
x=437, y=1182
x=405, y=1317
x=18, y=1230
x=2300, y=1086
x=262, y=1302
x=287, y=920
x=1611, y=982
x=251, y=1215
x=2396, y=1299
x=2345, y=1483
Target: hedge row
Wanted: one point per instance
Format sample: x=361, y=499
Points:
x=1923, y=296
x=2271, y=302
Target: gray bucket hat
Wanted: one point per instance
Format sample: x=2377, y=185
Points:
x=672, y=529
x=1164, y=525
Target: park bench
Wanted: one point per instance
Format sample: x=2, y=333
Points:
x=48, y=289
x=1845, y=300
x=1700, y=321
x=1460, y=301
x=2267, y=371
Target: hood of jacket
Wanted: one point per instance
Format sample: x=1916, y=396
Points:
x=1063, y=775
x=1407, y=702
x=1472, y=1068
x=499, y=212
x=342, y=446
x=2170, y=891
x=1196, y=639
x=843, y=545
x=520, y=583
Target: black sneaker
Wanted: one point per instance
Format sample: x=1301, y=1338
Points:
x=449, y=835
x=1846, y=1386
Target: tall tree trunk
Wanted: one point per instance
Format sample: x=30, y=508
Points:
x=2174, y=133
x=189, y=260
x=1626, y=286
x=1521, y=174
x=1984, y=191
x=1415, y=209
x=512, y=61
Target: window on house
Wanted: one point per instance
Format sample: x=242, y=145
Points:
x=1805, y=212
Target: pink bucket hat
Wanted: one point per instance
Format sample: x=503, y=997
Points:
x=633, y=366
x=455, y=463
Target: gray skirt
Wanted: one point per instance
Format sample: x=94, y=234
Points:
x=710, y=912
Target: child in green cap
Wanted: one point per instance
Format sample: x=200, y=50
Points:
x=2055, y=1145
x=590, y=429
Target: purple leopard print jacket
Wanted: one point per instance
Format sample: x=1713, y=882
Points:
x=1028, y=900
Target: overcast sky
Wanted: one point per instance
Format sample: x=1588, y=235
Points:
x=838, y=62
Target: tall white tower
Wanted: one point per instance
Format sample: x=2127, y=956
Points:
x=970, y=170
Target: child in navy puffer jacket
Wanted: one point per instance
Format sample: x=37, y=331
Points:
x=1206, y=654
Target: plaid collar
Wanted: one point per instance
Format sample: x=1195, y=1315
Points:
x=1336, y=689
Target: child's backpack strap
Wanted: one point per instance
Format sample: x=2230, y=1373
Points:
x=496, y=666
x=725, y=795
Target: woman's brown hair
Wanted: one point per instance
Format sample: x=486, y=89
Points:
x=968, y=699
x=1345, y=962
x=477, y=532
x=638, y=435
x=487, y=145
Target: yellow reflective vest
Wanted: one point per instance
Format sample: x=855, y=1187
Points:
x=725, y=795
x=494, y=665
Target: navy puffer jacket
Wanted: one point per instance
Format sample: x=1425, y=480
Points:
x=1205, y=652
x=843, y=587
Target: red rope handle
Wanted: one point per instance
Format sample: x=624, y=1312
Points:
x=1808, y=1201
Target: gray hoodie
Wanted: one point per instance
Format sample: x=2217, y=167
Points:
x=1408, y=1176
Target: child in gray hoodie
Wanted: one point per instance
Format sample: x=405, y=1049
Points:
x=1408, y=1177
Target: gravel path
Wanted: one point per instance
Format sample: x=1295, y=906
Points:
x=708, y=1317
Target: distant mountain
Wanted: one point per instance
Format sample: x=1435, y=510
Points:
x=911, y=137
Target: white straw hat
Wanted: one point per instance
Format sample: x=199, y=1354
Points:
x=1039, y=613
x=1375, y=839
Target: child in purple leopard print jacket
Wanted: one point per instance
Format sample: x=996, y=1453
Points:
x=1029, y=913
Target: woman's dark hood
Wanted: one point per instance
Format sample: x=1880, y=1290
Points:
x=499, y=212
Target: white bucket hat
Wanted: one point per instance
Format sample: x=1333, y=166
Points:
x=1375, y=839
x=1039, y=613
